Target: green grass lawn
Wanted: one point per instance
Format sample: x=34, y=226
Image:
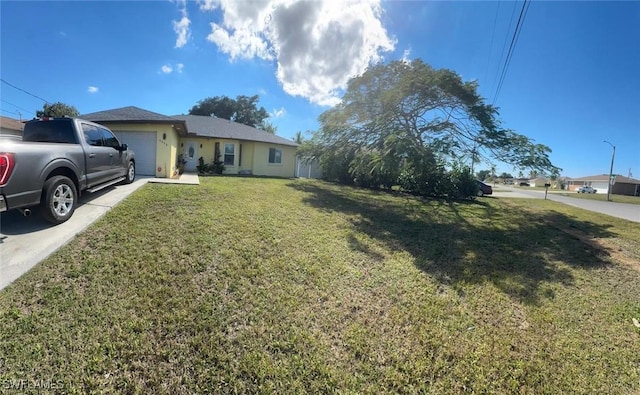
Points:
x=246, y=285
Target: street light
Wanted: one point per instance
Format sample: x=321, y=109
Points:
x=613, y=155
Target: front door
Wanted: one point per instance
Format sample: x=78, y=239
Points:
x=190, y=155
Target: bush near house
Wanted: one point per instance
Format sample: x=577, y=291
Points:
x=216, y=167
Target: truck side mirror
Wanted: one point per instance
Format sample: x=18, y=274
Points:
x=124, y=147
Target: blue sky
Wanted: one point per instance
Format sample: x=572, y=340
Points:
x=573, y=80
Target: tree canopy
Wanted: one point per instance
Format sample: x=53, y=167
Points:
x=242, y=109
x=57, y=110
x=398, y=119
x=483, y=174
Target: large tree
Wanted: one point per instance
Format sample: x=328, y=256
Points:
x=405, y=116
x=242, y=109
x=57, y=110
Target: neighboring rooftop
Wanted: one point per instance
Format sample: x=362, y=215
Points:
x=11, y=124
x=204, y=126
x=605, y=177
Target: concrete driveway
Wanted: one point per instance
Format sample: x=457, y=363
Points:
x=626, y=211
x=25, y=241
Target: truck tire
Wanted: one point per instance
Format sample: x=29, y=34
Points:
x=131, y=173
x=59, y=198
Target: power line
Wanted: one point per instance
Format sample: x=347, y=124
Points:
x=18, y=107
x=514, y=40
x=22, y=90
x=504, y=44
x=10, y=112
x=493, y=32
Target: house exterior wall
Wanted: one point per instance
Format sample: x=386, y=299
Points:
x=625, y=188
x=599, y=186
x=255, y=156
x=248, y=149
x=228, y=168
x=166, y=144
x=206, y=151
x=262, y=167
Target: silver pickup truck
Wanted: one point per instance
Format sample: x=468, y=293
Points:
x=55, y=161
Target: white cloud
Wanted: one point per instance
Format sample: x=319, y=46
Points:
x=208, y=5
x=278, y=112
x=92, y=89
x=168, y=69
x=317, y=45
x=406, y=56
x=181, y=27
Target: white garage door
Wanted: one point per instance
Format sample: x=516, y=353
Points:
x=144, y=146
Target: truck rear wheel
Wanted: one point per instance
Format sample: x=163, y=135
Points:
x=59, y=198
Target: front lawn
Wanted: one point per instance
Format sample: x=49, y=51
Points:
x=246, y=285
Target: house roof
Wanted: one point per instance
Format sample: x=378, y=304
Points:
x=134, y=115
x=130, y=113
x=204, y=126
x=605, y=178
x=11, y=124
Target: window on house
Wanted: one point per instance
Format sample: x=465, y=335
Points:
x=229, y=154
x=275, y=155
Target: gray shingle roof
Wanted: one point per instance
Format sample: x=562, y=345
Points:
x=130, y=113
x=605, y=177
x=203, y=126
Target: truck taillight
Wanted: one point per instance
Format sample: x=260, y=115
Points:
x=6, y=166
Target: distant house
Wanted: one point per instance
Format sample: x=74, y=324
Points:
x=538, y=182
x=11, y=126
x=159, y=140
x=621, y=185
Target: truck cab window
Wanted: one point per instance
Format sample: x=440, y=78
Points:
x=54, y=131
x=109, y=139
x=92, y=135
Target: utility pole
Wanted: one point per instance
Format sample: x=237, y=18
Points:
x=613, y=155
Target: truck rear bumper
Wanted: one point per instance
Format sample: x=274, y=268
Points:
x=19, y=200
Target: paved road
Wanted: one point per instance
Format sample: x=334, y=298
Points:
x=626, y=211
